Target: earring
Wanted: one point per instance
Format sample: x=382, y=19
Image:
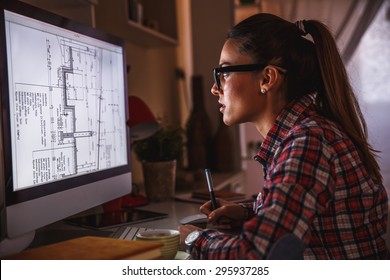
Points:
x=263, y=91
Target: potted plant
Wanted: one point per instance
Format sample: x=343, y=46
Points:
x=159, y=155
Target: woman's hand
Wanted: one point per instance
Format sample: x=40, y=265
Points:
x=228, y=213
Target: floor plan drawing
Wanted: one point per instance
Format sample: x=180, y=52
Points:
x=67, y=103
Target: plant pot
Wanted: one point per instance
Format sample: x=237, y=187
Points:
x=160, y=180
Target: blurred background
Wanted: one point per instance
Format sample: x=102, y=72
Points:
x=172, y=46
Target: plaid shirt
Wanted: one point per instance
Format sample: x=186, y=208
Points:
x=316, y=187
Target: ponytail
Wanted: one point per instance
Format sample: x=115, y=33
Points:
x=338, y=100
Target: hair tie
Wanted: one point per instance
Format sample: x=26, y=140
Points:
x=300, y=24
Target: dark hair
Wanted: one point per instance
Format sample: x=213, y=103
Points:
x=278, y=42
x=312, y=66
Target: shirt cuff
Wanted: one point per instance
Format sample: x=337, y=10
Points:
x=248, y=210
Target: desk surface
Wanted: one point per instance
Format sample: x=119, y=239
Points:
x=176, y=211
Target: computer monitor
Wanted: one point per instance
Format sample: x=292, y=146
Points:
x=65, y=144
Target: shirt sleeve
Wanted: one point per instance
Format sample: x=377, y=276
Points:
x=299, y=185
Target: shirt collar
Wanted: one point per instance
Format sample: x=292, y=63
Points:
x=283, y=124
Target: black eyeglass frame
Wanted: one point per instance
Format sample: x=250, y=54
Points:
x=235, y=68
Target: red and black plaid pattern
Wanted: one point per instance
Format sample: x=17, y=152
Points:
x=315, y=187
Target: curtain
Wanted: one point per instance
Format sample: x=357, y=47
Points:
x=357, y=20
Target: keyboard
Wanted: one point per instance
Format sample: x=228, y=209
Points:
x=127, y=232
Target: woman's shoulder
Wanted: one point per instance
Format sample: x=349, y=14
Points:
x=318, y=126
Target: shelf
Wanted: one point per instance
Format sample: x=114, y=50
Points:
x=111, y=16
x=77, y=10
x=238, y=3
x=59, y=4
x=247, y=7
x=116, y=22
x=147, y=37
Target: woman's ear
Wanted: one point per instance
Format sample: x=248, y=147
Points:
x=270, y=78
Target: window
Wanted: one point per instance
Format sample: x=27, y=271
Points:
x=369, y=71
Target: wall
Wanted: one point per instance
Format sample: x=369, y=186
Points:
x=156, y=85
x=184, y=57
x=211, y=21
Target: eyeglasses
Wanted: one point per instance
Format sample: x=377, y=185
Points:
x=234, y=68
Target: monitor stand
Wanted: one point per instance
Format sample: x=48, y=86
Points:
x=9, y=246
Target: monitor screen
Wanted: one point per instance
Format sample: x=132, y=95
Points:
x=64, y=99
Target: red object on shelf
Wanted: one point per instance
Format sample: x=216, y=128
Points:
x=142, y=122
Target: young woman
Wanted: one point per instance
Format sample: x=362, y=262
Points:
x=322, y=182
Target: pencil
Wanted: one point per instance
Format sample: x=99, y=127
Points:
x=211, y=189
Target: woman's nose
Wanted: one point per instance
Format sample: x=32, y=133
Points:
x=214, y=89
